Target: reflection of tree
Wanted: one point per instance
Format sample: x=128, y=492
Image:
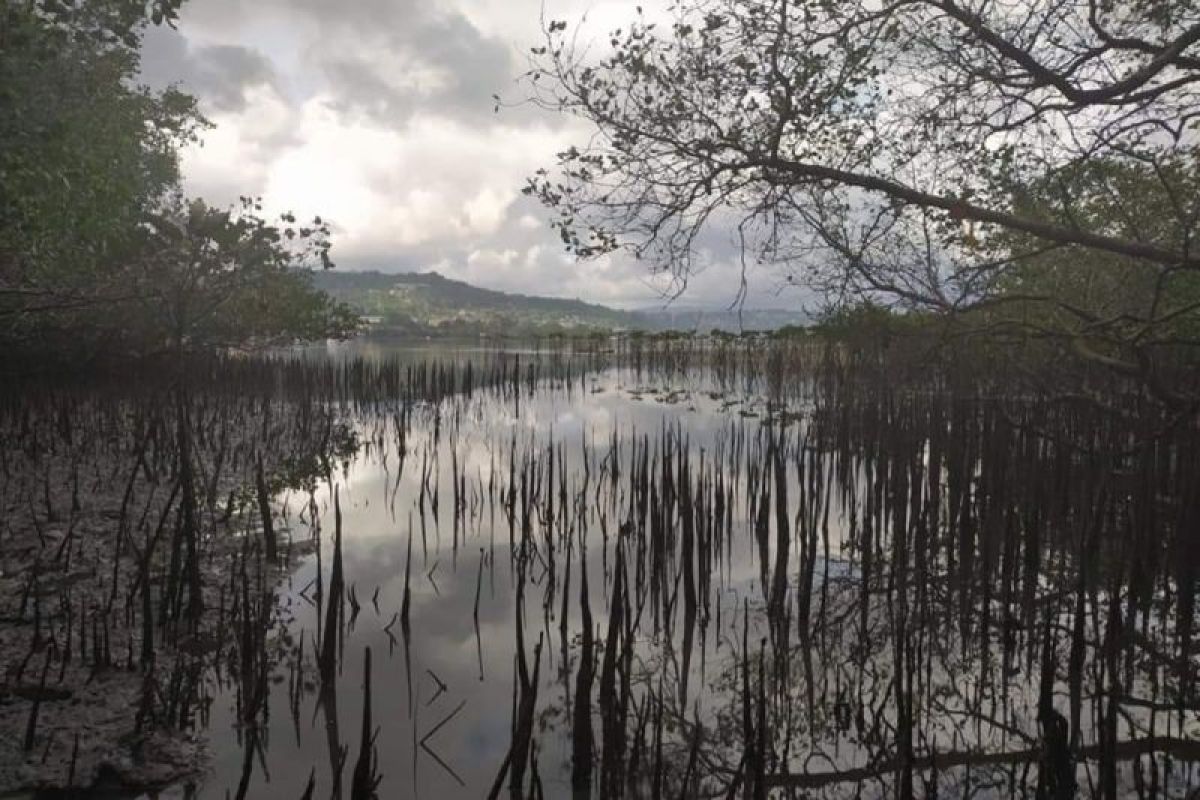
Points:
x=900, y=590
x=998, y=610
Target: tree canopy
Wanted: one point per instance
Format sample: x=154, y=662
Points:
x=218, y=277
x=97, y=244
x=933, y=154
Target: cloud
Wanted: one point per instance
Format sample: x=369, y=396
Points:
x=240, y=153
x=421, y=59
x=221, y=75
x=378, y=115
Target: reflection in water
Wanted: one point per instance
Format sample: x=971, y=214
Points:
x=640, y=583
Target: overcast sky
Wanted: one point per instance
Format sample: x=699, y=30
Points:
x=377, y=115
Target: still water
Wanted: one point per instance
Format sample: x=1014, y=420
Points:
x=689, y=580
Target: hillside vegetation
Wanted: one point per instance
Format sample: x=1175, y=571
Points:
x=431, y=304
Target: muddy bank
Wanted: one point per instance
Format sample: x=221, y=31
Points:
x=135, y=571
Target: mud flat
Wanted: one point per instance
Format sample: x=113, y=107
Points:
x=133, y=563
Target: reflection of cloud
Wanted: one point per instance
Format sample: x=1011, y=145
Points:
x=443, y=630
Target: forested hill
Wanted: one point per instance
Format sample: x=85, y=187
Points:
x=432, y=303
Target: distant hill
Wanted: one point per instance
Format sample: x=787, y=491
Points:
x=705, y=320
x=428, y=303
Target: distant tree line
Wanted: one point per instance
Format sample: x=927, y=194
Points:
x=101, y=253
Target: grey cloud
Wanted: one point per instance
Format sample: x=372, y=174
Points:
x=354, y=48
x=480, y=66
x=218, y=74
x=224, y=72
x=358, y=89
x=470, y=67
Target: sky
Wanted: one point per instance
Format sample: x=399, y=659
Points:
x=378, y=116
